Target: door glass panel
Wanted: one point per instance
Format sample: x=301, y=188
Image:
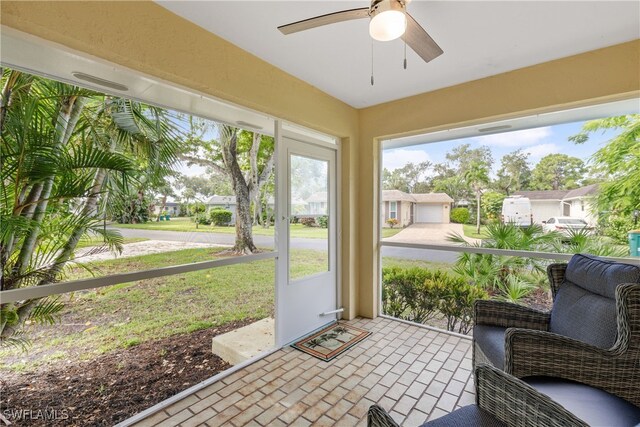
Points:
x=309, y=216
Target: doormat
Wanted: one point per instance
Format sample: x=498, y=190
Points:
x=331, y=341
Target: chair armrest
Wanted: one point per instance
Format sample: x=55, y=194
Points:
x=378, y=417
x=539, y=353
x=514, y=402
x=509, y=315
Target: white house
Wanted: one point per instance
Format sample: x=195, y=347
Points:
x=576, y=203
x=223, y=202
x=170, y=208
x=316, y=204
x=415, y=208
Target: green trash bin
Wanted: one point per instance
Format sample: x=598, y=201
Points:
x=634, y=243
x=167, y=217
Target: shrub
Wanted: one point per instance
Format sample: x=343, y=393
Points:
x=460, y=215
x=491, y=205
x=617, y=227
x=219, y=216
x=308, y=221
x=418, y=295
x=405, y=296
x=197, y=208
x=183, y=209
x=323, y=221
x=294, y=220
x=457, y=298
x=201, y=218
x=392, y=222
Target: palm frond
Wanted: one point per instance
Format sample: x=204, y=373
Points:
x=46, y=311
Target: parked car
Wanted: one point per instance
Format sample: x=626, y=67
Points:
x=566, y=225
x=517, y=210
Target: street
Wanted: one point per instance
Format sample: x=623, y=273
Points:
x=268, y=242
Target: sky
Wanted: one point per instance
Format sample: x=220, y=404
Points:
x=539, y=142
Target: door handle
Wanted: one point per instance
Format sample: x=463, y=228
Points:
x=327, y=313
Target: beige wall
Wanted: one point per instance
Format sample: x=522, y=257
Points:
x=403, y=213
x=148, y=38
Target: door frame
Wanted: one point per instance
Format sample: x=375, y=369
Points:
x=303, y=135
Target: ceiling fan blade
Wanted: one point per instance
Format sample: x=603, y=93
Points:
x=330, y=18
x=421, y=42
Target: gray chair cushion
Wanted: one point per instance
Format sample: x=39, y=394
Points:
x=599, y=276
x=585, y=307
x=491, y=340
x=592, y=405
x=584, y=316
x=467, y=416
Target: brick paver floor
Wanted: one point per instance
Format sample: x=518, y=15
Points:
x=414, y=373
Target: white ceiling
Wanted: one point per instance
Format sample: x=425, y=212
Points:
x=479, y=39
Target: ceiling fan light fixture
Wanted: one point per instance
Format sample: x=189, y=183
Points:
x=388, y=21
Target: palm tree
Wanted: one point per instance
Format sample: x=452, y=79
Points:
x=64, y=149
x=477, y=176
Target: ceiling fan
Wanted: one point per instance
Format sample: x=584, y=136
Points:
x=389, y=20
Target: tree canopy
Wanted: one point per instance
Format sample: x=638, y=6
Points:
x=619, y=161
x=557, y=172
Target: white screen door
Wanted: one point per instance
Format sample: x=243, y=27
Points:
x=307, y=285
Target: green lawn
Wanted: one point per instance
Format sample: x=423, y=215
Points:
x=388, y=232
x=410, y=263
x=185, y=224
x=470, y=231
x=95, y=322
x=125, y=315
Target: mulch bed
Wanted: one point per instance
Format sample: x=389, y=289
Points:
x=114, y=386
x=538, y=299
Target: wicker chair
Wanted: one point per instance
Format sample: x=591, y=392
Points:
x=501, y=400
x=592, y=334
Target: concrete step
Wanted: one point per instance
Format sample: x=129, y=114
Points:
x=244, y=343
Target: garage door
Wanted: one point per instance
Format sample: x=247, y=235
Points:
x=429, y=213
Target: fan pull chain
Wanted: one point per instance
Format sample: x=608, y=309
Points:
x=405, y=54
x=371, y=62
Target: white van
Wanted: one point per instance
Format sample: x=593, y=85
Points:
x=517, y=210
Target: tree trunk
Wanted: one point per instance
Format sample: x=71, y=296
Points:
x=244, y=233
x=88, y=210
x=478, y=212
x=164, y=203
x=68, y=117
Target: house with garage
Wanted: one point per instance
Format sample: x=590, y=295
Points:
x=576, y=203
x=418, y=208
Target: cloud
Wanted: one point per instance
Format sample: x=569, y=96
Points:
x=539, y=151
x=519, y=138
x=394, y=159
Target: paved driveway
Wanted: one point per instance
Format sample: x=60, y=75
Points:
x=433, y=234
